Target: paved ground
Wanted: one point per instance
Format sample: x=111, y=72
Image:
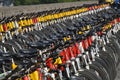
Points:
x=118, y=74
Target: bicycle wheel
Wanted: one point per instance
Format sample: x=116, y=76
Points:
x=115, y=44
x=110, y=49
x=109, y=61
x=86, y=75
x=97, y=67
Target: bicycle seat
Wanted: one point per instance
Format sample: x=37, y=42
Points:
x=72, y=28
x=111, y=11
x=18, y=56
x=60, y=31
x=37, y=45
x=76, y=23
x=106, y=16
x=45, y=42
x=54, y=37
x=49, y=40
x=94, y=17
x=28, y=51
x=66, y=33
x=59, y=36
x=6, y=54
x=2, y=59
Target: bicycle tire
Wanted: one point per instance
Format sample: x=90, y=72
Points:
x=110, y=49
x=108, y=60
x=100, y=69
x=89, y=74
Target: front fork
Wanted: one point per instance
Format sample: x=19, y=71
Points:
x=67, y=70
x=60, y=75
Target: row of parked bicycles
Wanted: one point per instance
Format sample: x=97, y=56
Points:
x=44, y=18
x=83, y=46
